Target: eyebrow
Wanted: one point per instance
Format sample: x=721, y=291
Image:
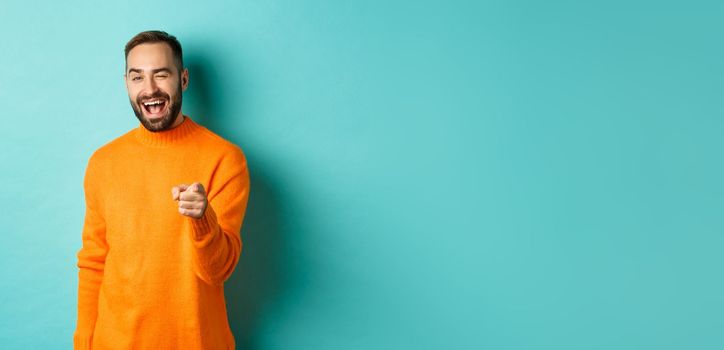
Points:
x=137, y=70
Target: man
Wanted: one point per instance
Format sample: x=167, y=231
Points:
x=164, y=207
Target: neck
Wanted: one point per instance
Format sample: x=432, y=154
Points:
x=179, y=120
x=176, y=134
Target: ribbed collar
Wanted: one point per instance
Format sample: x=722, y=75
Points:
x=168, y=137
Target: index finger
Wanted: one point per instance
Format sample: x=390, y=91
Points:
x=176, y=190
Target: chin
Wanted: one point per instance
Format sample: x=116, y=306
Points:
x=159, y=124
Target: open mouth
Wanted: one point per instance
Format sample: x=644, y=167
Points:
x=155, y=107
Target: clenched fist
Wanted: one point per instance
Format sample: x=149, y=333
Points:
x=191, y=199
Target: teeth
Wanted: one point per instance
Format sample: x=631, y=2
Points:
x=153, y=103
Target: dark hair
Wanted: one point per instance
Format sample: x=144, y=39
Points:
x=156, y=36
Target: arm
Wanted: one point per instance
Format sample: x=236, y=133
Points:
x=216, y=234
x=91, y=261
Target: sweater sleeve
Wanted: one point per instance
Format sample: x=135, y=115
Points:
x=91, y=260
x=216, y=235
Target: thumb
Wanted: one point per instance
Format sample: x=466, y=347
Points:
x=196, y=187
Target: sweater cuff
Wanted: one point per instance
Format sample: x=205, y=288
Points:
x=204, y=228
x=82, y=342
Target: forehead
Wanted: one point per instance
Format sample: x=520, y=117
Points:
x=149, y=56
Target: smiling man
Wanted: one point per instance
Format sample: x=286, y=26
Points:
x=164, y=206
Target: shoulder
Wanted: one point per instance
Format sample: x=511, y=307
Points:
x=108, y=151
x=227, y=160
x=222, y=149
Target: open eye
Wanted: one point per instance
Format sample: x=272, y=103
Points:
x=136, y=78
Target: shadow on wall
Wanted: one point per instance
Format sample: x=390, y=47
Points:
x=197, y=99
x=258, y=282
x=261, y=278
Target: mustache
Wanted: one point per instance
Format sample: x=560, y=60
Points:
x=156, y=95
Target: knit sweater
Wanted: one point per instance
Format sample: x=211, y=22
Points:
x=150, y=277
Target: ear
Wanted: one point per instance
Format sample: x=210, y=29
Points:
x=184, y=79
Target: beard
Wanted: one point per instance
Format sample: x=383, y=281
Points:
x=164, y=122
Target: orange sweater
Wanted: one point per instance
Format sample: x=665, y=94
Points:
x=150, y=277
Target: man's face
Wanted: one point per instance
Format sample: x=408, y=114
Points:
x=154, y=85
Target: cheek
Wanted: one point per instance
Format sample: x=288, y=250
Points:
x=172, y=92
x=133, y=94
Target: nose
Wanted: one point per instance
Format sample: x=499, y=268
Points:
x=150, y=86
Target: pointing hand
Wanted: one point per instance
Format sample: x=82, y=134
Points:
x=191, y=199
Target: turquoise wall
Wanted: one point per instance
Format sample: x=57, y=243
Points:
x=425, y=175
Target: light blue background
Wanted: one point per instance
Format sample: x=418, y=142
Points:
x=425, y=175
